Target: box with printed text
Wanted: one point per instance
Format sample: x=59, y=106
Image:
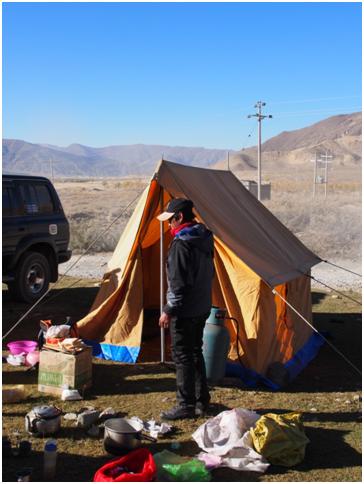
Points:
x=58, y=371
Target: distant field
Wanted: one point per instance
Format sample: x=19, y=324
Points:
x=330, y=227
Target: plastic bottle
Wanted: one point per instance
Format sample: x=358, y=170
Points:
x=50, y=460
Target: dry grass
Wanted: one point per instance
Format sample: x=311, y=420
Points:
x=330, y=227
x=326, y=392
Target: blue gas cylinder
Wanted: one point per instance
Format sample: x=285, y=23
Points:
x=216, y=342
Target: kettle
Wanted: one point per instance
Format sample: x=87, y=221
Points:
x=44, y=420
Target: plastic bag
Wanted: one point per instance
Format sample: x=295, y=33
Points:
x=173, y=467
x=280, y=439
x=136, y=466
x=191, y=471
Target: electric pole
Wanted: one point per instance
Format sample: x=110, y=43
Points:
x=315, y=160
x=51, y=167
x=327, y=157
x=259, y=117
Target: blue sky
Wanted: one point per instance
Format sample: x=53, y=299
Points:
x=185, y=74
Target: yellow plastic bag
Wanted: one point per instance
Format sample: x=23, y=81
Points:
x=280, y=439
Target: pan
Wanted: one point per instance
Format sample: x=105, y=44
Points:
x=123, y=434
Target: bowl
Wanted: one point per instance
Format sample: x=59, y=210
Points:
x=24, y=346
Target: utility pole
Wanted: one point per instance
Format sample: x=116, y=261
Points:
x=315, y=160
x=259, y=117
x=51, y=166
x=327, y=157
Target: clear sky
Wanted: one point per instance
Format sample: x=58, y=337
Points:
x=185, y=74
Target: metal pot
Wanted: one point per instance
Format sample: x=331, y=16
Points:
x=45, y=420
x=123, y=434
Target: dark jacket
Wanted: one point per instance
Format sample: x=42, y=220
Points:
x=190, y=271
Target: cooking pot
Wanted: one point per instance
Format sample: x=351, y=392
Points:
x=123, y=434
x=44, y=420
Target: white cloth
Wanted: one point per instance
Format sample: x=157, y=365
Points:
x=16, y=360
x=152, y=427
x=227, y=436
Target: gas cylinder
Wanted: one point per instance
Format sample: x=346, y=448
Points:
x=216, y=342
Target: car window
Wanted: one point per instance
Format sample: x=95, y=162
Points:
x=44, y=198
x=7, y=205
x=36, y=198
x=10, y=206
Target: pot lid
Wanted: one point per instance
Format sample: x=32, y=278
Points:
x=120, y=425
x=46, y=411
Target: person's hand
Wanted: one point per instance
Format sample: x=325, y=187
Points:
x=164, y=320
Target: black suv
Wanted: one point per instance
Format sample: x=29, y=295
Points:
x=35, y=235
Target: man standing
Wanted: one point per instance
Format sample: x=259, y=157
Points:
x=190, y=272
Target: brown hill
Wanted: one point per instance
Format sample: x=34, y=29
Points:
x=338, y=135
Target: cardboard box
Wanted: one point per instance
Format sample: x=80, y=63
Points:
x=58, y=371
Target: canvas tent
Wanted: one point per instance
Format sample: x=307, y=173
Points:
x=254, y=253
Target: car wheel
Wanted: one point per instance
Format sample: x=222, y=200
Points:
x=32, y=277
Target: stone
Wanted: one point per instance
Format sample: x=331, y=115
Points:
x=70, y=416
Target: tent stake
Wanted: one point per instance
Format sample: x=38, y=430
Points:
x=163, y=357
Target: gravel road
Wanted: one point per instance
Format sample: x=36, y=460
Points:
x=93, y=266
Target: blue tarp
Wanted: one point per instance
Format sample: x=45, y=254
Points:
x=294, y=366
x=125, y=354
x=129, y=354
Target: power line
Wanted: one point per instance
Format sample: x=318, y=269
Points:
x=316, y=111
x=302, y=101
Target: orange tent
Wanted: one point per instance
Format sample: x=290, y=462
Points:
x=254, y=253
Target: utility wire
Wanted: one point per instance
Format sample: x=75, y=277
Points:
x=343, y=268
x=316, y=111
x=314, y=100
x=72, y=265
x=316, y=331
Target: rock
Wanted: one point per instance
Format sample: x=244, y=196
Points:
x=313, y=409
x=347, y=401
x=70, y=416
x=357, y=398
x=87, y=418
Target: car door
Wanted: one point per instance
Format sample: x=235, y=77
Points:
x=13, y=222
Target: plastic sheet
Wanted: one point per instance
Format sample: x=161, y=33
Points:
x=227, y=435
x=280, y=438
x=172, y=467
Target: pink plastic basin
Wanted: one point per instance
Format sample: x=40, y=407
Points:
x=26, y=346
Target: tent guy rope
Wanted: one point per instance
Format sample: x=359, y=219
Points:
x=335, y=290
x=103, y=232
x=316, y=331
x=340, y=267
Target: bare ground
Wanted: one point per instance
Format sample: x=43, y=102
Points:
x=93, y=266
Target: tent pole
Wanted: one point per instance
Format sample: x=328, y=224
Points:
x=163, y=358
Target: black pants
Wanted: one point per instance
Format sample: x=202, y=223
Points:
x=186, y=339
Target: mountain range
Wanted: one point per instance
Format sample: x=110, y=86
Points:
x=339, y=135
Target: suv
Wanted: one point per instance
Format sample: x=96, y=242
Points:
x=35, y=235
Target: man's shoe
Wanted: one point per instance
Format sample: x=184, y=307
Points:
x=201, y=409
x=178, y=412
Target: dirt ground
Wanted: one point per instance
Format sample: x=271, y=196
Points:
x=327, y=393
